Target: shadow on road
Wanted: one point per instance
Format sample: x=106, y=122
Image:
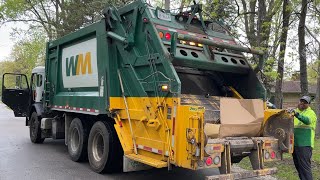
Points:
x=154, y=174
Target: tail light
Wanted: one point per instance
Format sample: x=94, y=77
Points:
x=168, y=36
x=161, y=35
x=209, y=161
x=273, y=155
x=291, y=142
x=266, y=155
x=216, y=160
x=291, y=139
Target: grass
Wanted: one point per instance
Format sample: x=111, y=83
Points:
x=286, y=169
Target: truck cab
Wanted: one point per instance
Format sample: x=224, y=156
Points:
x=19, y=95
x=37, y=83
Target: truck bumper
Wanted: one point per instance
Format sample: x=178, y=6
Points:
x=243, y=175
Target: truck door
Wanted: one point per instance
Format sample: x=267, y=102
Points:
x=16, y=93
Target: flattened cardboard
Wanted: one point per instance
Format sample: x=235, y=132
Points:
x=212, y=130
x=239, y=130
x=241, y=111
x=240, y=117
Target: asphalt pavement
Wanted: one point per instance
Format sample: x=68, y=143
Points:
x=21, y=159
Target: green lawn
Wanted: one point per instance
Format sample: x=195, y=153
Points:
x=286, y=169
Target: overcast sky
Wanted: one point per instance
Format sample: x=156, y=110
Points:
x=5, y=42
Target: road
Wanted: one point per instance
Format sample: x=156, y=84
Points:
x=21, y=159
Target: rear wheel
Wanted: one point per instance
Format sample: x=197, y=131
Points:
x=34, y=129
x=77, y=140
x=105, y=153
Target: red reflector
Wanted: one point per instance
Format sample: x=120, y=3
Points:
x=209, y=161
x=168, y=36
x=216, y=147
x=120, y=123
x=273, y=155
x=267, y=144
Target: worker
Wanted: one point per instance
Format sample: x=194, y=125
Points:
x=304, y=133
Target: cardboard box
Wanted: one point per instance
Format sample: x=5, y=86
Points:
x=212, y=130
x=239, y=117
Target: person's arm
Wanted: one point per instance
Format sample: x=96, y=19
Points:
x=304, y=119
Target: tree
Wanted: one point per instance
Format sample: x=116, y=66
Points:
x=286, y=11
x=302, y=48
x=318, y=93
x=315, y=66
x=57, y=18
x=26, y=54
x=167, y=4
x=261, y=20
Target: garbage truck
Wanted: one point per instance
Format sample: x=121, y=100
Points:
x=145, y=88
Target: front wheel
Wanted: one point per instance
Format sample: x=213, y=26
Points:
x=105, y=153
x=34, y=129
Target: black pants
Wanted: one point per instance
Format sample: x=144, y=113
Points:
x=302, y=161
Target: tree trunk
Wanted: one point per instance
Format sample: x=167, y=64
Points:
x=283, y=40
x=302, y=48
x=167, y=5
x=182, y=5
x=318, y=95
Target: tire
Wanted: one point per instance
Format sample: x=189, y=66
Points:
x=77, y=140
x=34, y=129
x=105, y=153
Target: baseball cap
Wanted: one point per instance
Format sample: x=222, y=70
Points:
x=306, y=98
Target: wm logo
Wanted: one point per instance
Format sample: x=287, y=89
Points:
x=76, y=65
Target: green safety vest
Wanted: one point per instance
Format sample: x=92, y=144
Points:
x=304, y=134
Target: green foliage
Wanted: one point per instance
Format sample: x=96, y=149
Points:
x=12, y=8
x=221, y=10
x=312, y=70
x=56, y=18
x=26, y=54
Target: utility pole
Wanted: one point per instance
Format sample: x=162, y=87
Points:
x=167, y=5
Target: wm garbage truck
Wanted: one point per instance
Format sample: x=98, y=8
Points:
x=144, y=88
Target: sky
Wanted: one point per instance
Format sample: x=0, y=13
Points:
x=5, y=41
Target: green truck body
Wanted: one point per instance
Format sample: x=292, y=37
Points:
x=137, y=52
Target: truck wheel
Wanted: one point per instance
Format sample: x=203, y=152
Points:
x=34, y=129
x=105, y=153
x=77, y=140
